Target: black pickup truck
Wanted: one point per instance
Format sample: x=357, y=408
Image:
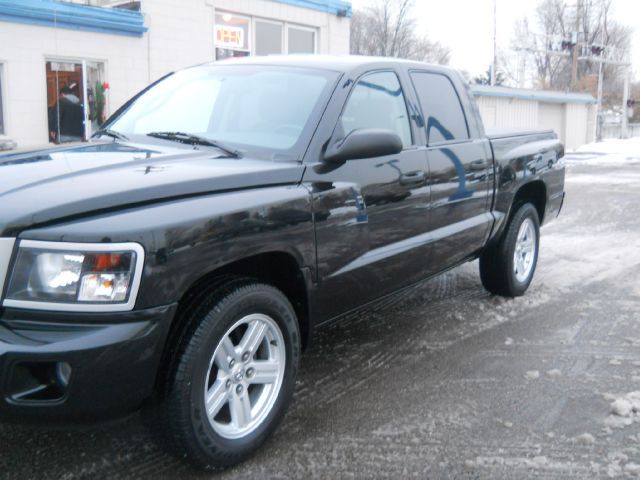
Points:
x=181, y=260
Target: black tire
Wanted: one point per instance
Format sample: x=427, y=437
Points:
x=497, y=260
x=177, y=416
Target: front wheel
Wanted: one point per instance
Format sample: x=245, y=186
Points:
x=507, y=267
x=232, y=375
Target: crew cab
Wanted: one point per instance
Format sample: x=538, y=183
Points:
x=181, y=260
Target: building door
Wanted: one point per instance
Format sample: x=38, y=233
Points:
x=65, y=101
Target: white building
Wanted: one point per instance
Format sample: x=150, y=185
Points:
x=570, y=115
x=125, y=45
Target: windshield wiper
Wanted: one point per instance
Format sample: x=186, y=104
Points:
x=195, y=140
x=110, y=133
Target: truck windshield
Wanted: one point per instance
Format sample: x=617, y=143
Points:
x=245, y=106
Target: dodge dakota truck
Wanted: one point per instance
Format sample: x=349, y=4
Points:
x=180, y=261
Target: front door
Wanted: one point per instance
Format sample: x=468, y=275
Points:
x=65, y=102
x=370, y=213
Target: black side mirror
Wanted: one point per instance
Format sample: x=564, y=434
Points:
x=364, y=143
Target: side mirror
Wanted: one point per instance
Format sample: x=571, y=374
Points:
x=364, y=143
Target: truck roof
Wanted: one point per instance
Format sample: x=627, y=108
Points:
x=339, y=63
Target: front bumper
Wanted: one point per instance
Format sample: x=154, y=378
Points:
x=71, y=367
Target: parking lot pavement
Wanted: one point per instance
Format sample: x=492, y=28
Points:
x=444, y=380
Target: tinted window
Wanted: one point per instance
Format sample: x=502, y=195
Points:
x=377, y=102
x=443, y=115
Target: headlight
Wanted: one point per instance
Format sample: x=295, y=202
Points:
x=75, y=276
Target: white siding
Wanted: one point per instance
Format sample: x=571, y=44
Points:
x=573, y=122
x=552, y=116
x=501, y=112
x=25, y=49
x=577, y=125
x=181, y=33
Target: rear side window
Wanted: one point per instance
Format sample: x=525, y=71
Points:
x=443, y=115
x=377, y=102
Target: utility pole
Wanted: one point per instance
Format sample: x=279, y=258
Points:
x=494, y=65
x=625, y=108
x=598, y=121
x=576, y=41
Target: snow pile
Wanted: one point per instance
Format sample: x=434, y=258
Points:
x=624, y=410
x=585, y=439
x=609, y=152
x=629, y=146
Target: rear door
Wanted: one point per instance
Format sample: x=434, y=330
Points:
x=459, y=167
x=371, y=213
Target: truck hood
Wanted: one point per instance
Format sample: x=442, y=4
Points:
x=46, y=185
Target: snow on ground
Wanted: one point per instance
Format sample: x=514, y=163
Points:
x=613, y=152
x=599, y=169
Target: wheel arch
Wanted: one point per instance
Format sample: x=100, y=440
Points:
x=277, y=268
x=280, y=269
x=534, y=192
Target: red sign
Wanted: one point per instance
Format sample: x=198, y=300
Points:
x=229, y=37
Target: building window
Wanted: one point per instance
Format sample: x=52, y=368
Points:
x=236, y=36
x=1, y=109
x=232, y=34
x=268, y=38
x=301, y=40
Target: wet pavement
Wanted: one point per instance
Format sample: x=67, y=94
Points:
x=444, y=380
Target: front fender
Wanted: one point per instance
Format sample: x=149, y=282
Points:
x=186, y=239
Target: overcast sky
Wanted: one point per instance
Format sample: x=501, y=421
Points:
x=466, y=26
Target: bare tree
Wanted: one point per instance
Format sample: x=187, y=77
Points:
x=485, y=79
x=388, y=29
x=540, y=45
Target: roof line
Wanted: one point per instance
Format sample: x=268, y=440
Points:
x=540, y=95
x=51, y=13
x=340, y=8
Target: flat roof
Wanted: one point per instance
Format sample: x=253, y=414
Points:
x=534, y=95
x=340, y=8
x=59, y=14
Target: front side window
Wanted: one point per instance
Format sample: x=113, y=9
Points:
x=443, y=115
x=243, y=106
x=377, y=102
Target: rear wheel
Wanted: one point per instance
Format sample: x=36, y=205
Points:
x=507, y=267
x=232, y=376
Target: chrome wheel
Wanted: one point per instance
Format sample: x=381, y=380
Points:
x=245, y=376
x=525, y=250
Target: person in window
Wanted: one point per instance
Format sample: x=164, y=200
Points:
x=66, y=118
